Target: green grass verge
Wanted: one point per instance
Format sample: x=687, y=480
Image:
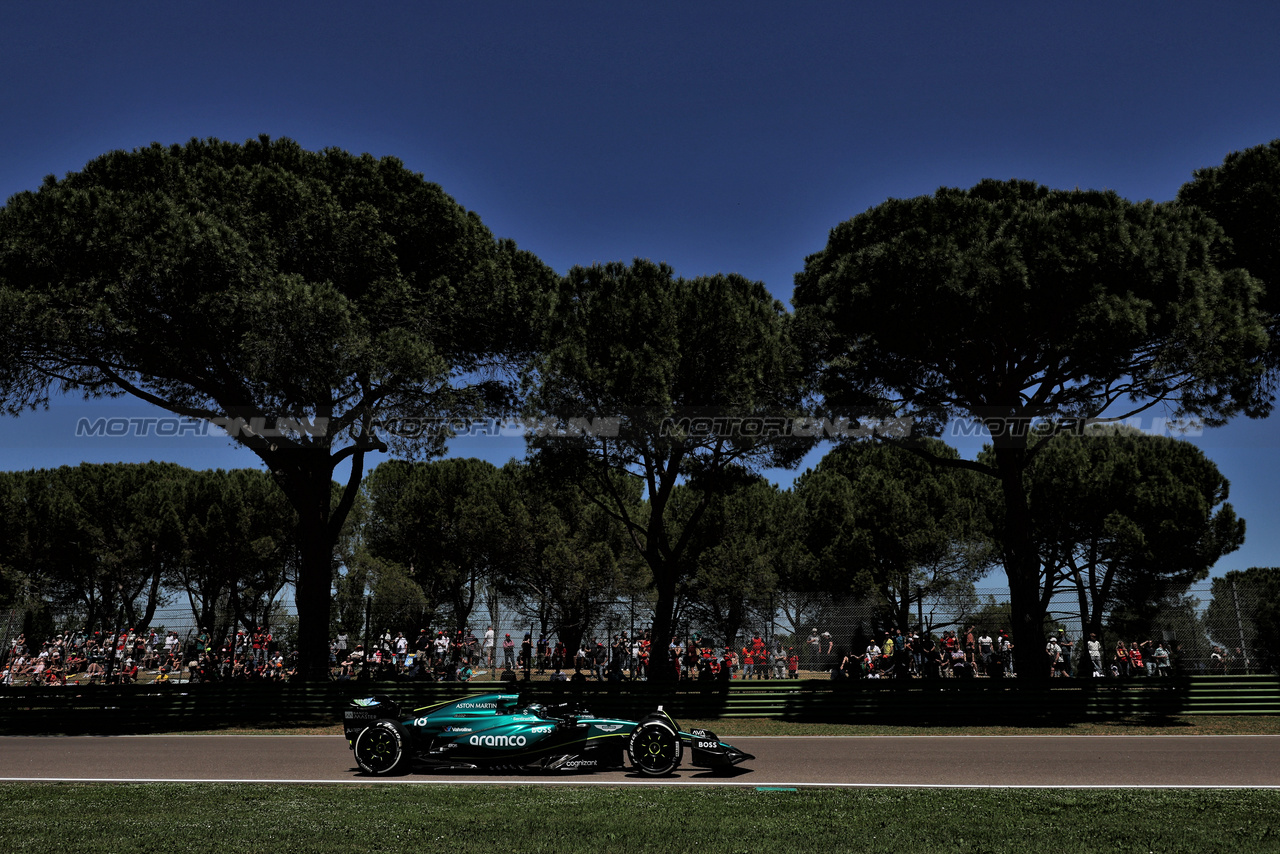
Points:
x=164, y=818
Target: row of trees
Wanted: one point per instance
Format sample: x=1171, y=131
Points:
x=308, y=300
x=108, y=543
x=1126, y=521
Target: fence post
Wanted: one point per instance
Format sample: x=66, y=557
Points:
x=1244, y=650
x=368, y=646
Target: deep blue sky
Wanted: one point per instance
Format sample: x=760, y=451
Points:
x=727, y=137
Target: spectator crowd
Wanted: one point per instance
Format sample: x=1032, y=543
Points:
x=157, y=655
x=149, y=655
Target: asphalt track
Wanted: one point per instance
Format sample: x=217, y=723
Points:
x=873, y=761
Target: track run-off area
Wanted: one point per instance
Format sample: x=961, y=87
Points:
x=1072, y=761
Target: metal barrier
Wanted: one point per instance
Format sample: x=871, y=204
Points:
x=960, y=702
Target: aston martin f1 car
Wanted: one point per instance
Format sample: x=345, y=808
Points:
x=494, y=731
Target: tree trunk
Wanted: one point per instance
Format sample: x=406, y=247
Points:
x=661, y=667
x=1021, y=566
x=308, y=484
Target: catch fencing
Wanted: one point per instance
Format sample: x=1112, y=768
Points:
x=1210, y=627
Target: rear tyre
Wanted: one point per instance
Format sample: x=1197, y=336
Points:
x=655, y=749
x=382, y=749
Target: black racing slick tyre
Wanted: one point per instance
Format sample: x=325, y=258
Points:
x=654, y=749
x=382, y=748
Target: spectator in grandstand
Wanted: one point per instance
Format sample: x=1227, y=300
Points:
x=645, y=646
x=508, y=653
x=1094, y=648
x=932, y=666
x=1144, y=654
x=986, y=649
x=1136, y=667
x=1053, y=651
x=1121, y=666
x=620, y=651
x=1004, y=646
x=1068, y=651
x=759, y=657
x=1161, y=661
x=599, y=661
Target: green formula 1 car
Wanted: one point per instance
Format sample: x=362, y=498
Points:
x=494, y=731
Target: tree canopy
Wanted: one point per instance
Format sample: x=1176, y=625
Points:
x=885, y=522
x=1243, y=616
x=1126, y=521
x=1243, y=195
x=669, y=381
x=113, y=542
x=304, y=300
x=1017, y=305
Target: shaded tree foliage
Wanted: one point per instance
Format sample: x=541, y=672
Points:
x=446, y=525
x=106, y=543
x=1126, y=521
x=1017, y=305
x=571, y=557
x=681, y=365
x=98, y=540
x=240, y=547
x=885, y=522
x=299, y=298
x=746, y=542
x=1244, y=615
x=1243, y=195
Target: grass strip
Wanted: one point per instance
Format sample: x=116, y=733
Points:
x=163, y=818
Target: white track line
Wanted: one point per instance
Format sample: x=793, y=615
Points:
x=682, y=783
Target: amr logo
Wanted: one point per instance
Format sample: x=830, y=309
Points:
x=498, y=740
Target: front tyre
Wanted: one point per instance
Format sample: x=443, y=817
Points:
x=654, y=749
x=382, y=748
